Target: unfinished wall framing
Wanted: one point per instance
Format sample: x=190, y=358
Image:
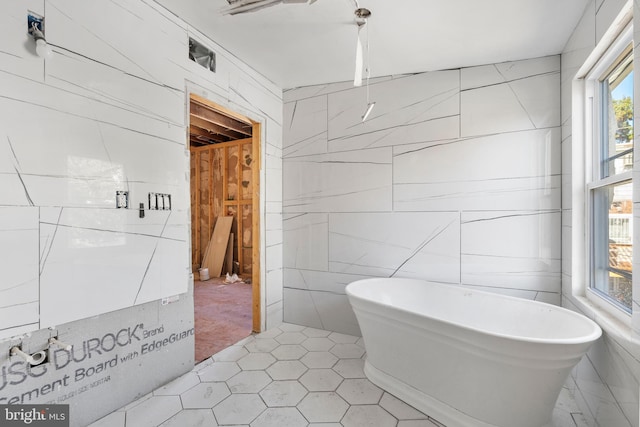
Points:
x=222, y=177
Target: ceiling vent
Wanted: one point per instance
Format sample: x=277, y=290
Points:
x=202, y=55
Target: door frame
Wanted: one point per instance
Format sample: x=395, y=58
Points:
x=256, y=153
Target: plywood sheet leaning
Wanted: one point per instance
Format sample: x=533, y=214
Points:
x=218, y=246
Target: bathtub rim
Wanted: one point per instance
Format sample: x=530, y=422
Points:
x=584, y=339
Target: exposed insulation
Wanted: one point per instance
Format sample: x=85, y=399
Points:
x=232, y=173
x=222, y=184
x=246, y=183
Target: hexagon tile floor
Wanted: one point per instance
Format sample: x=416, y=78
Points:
x=288, y=376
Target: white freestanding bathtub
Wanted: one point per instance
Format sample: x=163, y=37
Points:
x=466, y=357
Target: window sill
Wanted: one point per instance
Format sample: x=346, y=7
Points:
x=612, y=325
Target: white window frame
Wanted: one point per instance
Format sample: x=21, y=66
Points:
x=592, y=157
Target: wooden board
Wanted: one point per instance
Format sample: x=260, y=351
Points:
x=228, y=258
x=218, y=246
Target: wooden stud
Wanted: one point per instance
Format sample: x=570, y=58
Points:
x=212, y=220
x=219, y=145
x=239, y=211
x=197, y=258
x=255, y=275
x=215, y=129
x=221, y=109
x=220, y=120
x=225, y=179
x=203, y=137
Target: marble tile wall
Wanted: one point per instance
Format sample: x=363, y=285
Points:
x=607, y=380
x=455, y=178
x=107, y=112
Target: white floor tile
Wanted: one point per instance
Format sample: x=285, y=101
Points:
x=179, y=385
x=256, y=361
x=289, y=352
x=286, y=370
x=321, y=380
x=350, y=368
x=239, y=409
x=323, y=407
x=205, y=395
x=114, y=419
x=154, y=411
x=368, y=416
x=280, y=417
x=219, y=371
x=248, y=382
x=288, y=376
x=192, y=418
x=399, y=409
x=283, y=393
x=319, y=359
x=360, y=392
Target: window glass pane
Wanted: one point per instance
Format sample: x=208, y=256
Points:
x=617, y=89
x=613, y=242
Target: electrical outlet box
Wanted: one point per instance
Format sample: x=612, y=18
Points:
x=153, y=202
x=122, y=199
x=159, y=201
x=34, y=20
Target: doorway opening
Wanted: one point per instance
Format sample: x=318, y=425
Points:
x=225, y=225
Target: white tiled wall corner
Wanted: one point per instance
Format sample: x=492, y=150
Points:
x=606, y=382
x=413, y=190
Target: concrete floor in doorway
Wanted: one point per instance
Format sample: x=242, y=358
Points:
x=222, y=315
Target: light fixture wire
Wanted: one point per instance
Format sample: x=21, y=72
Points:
x=357, y=80
x=370, y=105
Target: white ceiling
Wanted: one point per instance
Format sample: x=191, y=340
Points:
x=300, y=44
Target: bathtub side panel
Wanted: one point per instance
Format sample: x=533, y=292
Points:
x=461, y=369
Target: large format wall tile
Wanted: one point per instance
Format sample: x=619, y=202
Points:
x=322, y=281
x=519, y=169
x=513, y=97
x=320, y=310
x=511, y=250
x=414, y=108
x=419, y=188
x=338, y=182
x=305, y=127
x=133, y=48
x=19, y=269
x=299, y=231
x=422, y=245
x=98, y=260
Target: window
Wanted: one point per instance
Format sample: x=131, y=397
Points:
x=610, y=90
